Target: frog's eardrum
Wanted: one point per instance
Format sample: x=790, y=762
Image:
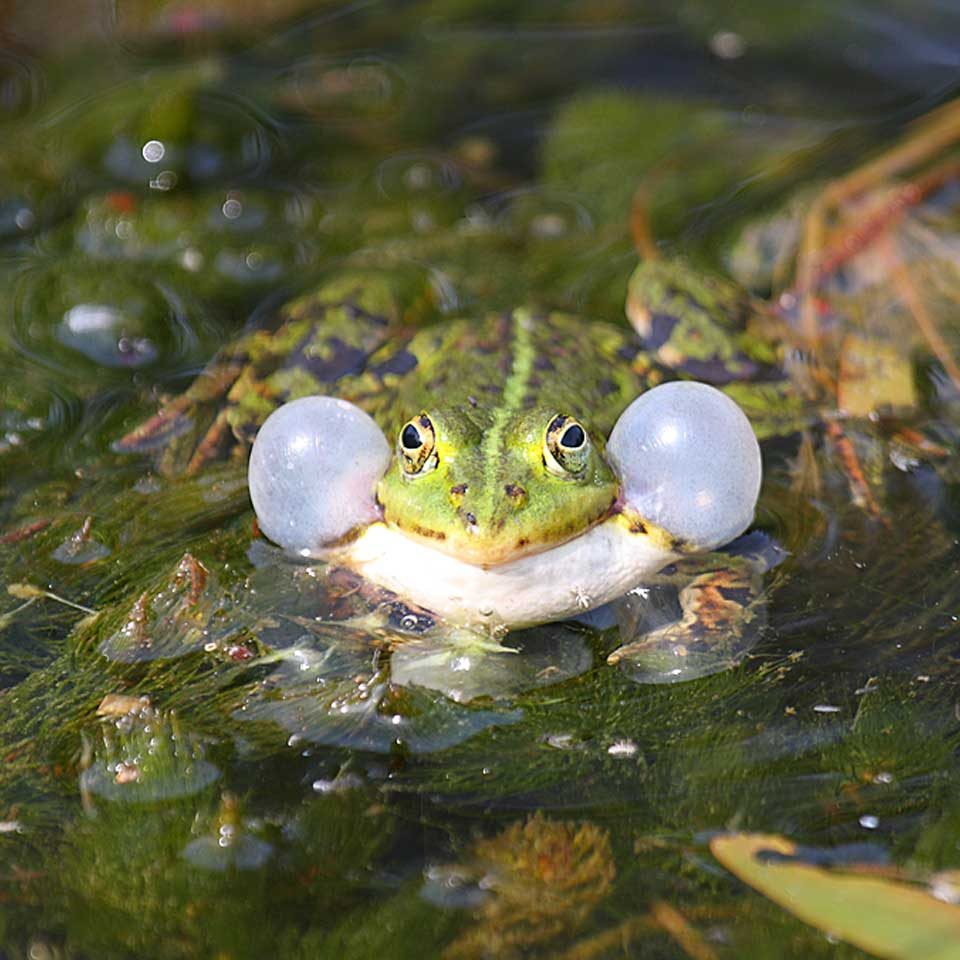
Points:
x=689, y=462
x=313, y=472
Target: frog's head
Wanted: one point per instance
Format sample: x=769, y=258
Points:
x=682, y=457
x=490, y=489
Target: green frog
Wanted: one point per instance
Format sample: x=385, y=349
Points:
x=500, y=470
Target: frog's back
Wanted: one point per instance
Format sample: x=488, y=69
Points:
x=354, y=338
x=509, y=363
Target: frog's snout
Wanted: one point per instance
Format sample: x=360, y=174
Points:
x=493, y=512
x=486, y=518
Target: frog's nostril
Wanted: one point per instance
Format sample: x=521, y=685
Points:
x=516, y=493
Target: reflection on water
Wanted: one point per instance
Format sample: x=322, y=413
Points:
x=212, y=750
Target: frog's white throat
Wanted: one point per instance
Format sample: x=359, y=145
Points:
x=598, y=566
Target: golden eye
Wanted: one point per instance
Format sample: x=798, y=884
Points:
x=417, y=446
x=566, y=448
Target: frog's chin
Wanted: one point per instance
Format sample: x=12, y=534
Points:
x=598, y=566
x=476, y=549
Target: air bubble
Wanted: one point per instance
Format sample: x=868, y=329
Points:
x=153, y=151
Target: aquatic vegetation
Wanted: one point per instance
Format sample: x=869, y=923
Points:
x=543, y=878
x=145, y=757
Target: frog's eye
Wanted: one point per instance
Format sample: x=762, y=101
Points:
x=566, y=447
x=417, y=446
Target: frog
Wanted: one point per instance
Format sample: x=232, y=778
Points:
x=499, y=497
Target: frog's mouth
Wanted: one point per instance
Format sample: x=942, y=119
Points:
x=489, y=541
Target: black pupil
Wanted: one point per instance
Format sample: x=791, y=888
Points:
x=410, y=438
x=573, y=436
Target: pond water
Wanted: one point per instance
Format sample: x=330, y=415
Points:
x=211, y=751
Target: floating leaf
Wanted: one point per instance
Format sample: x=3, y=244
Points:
x=885, y=918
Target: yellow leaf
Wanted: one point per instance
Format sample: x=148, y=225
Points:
x=886, y=918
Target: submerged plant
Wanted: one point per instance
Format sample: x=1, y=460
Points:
x=545, y=877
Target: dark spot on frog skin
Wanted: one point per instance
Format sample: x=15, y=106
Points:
x=356, y=312
x=514, y=491
x=522, y=542
x=606, y=387
x=661, y=327
x=544, y=363
x=342, y=360
x=458, y=490
x=400, y=363
x=426, y=532
x=639, y=527
x=472, y=519
x=739, y=367
x=718, y=371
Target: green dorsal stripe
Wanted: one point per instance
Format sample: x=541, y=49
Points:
x=523, y=352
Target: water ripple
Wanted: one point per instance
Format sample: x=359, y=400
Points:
x=111, y=318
